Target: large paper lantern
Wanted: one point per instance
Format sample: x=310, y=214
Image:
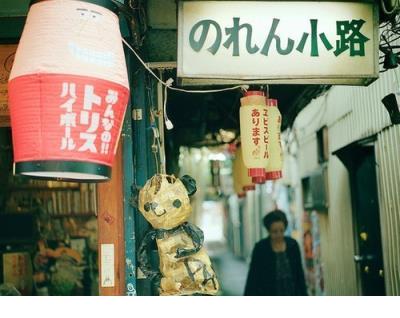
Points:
x=68, y=90
x=253, y=131
x=274, y=165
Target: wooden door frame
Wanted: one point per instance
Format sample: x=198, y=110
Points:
x=110, y=221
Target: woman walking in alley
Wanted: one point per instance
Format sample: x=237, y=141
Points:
x=276, y=268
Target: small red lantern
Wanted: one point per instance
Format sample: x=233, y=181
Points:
x=254, y=138
x=68, y=90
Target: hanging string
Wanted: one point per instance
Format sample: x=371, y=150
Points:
x=155, y=147
x=168, y=85
x=386, y=11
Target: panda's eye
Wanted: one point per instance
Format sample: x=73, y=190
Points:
x=177, y=203
x=147, y=206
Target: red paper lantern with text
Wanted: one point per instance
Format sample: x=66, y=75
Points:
x=68, y=91
x=253, y=132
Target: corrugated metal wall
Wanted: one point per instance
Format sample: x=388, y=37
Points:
x=354, y=113
x=351, y=114
x=337, y=245
x=388, y=162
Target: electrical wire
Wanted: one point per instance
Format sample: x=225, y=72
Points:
x=155, y=147
x=386, y=11
x=389, y=38
x=384, y=25
x=169, y=82
x=168, y=85
x=168, y=124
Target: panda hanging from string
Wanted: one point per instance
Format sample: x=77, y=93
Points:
x=185, y=268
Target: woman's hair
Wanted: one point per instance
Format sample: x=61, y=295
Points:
x=275, y=216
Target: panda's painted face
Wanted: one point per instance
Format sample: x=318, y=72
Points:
x=153, y=207
x=164, y=201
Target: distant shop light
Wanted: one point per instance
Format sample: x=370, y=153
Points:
x=217, y=156
x=269, y=187
x=68, y=91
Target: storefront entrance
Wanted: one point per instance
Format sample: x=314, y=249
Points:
x=359, y=159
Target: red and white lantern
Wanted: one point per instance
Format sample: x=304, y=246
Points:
x=68, y=90
x=254, y=134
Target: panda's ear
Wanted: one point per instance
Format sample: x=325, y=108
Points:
x=189, y=183
x=134, y=200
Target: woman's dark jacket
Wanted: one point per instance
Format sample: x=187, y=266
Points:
x=261, y=280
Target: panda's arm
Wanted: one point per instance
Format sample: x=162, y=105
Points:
x=197, y=236
x=143, y=259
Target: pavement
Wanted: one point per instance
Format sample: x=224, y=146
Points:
x=231, y=270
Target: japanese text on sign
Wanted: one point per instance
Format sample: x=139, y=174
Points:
x=93, y=122
x=349, y=38
x=266, y=133
x=256, y=123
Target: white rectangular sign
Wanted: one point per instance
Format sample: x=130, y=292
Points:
x=278, y=42
x=107, y=265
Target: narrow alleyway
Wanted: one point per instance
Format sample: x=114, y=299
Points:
x=231, y=270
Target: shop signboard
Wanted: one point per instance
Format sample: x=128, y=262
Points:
x=304, y=42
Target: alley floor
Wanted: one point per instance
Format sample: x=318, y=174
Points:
x=231, y=270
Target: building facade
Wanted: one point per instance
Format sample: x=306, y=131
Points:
x=344, y=125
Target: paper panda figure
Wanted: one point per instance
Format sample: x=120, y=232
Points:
x=185, y=268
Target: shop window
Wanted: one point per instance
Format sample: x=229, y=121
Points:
x=48, y=233
x=315, y=191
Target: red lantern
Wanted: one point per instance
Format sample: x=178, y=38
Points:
x=68, y=90
x=253, y=118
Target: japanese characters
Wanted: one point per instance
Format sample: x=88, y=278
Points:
x=350, y=38
x=91, y=127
